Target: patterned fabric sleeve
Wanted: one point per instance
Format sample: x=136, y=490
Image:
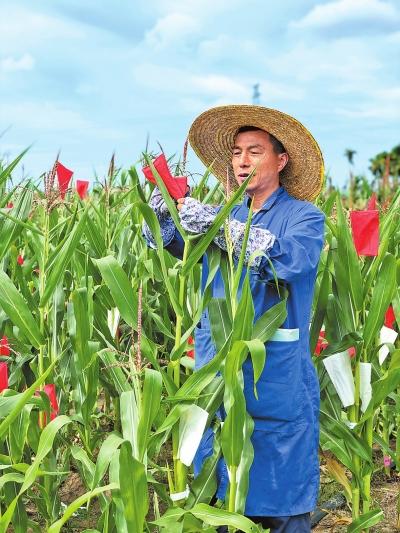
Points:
x=197, y=218
x=167, y=226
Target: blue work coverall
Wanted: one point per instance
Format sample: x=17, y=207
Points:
x=284, y=477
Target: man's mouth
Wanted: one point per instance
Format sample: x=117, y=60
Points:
x=243, y=176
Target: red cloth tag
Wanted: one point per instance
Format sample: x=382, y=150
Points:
x=321, y=343
x=3, y=376
x=50, y=390
x=371, y=204
x=176, y=187
x=390, y=317
x=64, y=176
x=190, y=353
x=4, y=346
x=352, y=351
x=365, y=228
x=82, y=188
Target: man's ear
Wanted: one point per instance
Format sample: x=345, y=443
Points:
x=283, y=160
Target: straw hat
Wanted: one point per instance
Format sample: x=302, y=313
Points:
x=212, y=137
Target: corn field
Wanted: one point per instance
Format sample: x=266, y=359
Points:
x=97, y=358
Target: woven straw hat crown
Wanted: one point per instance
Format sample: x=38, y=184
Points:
x=212, y=136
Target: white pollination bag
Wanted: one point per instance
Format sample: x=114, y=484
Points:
x=365, y=385
x=338, y=367
x=387, y=335
x=191, y=428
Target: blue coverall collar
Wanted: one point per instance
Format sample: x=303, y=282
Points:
x=270, y=201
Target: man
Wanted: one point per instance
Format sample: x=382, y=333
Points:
x=288, y=170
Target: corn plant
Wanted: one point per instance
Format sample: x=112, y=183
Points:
x=354, y=294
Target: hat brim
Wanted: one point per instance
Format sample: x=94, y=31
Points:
x=212, y=136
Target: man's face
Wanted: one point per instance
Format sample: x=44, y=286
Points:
x=253, y=150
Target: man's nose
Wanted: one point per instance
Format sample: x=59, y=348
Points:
x=244, y=160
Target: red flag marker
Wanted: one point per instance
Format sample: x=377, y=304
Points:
x=390, y=317
x=322, y=343
x=10, y=205
x=365, y=228
x=4, y=346
x=176, y=187
x=3, y=376
x=352, y=351
x=20, y=260
x=190, y=353
x=371, y=204
x=64, y=176
x=50, y=390
x=82, y=188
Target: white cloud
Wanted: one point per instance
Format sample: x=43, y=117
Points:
x=343, y=61
x=45, y=116
x=383, y=104
x=11, y=64
x=172, y=29
x=345, y=14
x=25, y=28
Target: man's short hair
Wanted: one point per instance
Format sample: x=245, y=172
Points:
x=276, y=143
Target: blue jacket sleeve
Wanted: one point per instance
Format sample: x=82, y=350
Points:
x=171, y=237
x=297, y=252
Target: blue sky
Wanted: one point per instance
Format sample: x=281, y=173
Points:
x=92, y=77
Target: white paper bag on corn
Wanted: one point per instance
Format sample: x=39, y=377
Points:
x=387, y=335
x=365, y=385
x=113, y=317
x=191, y=428
x=338, y=367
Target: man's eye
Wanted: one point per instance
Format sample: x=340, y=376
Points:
x=236, y=153
x=255, y=153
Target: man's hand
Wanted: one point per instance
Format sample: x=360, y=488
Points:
x=180, y=203
x=195, y=216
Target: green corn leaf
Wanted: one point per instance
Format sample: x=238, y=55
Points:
x=205, y=241
x=219, y=517
x=321, y=305
x=272, y=319
x=120, y=287
x=341, y=431
x=347, y=267
x=76, y=504
x=107, y=450
x=243, y=472
x=205, y=484
x=130, y=412
x=23, y=399
x=55, y=268
x=6, y=173
x=152, y=222
x=18, y=432
x=221, y=324
x=45, y=445
x=365, y=521
x=167, y=198
x=18, y=311
x=81, y=337
x=151, y=399
x=133, y=487
x=381, y=297
x=199, y=380
x=112, y=368
x=244, y=317
x=380, y=391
